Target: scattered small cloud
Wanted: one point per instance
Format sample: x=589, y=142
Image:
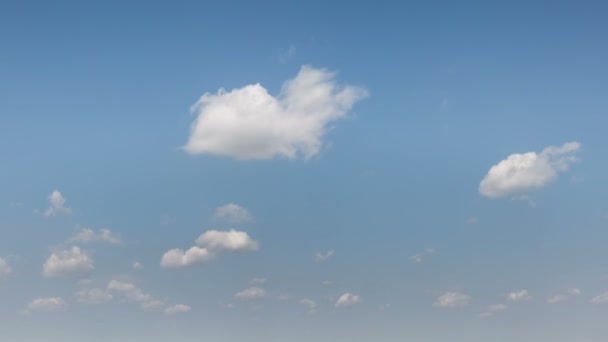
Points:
x=132, y=293
x=600, y=299
x=50, y=304
x=518, y=296
x=419, y=257
x=520, y=173
x=177, y=309
x=233, y=213
x=232, y=240
x=67, y=262
x=452, y=300
x=251, y=293
x=561, y=297
x=310, y=304
x=259, y=280
x=347, y=299
x=93, y=296
x=5, y=268
x=178, y=258
x=87, y=235
x=321, y=257
x=249, y=123
x=492, y=309
x=57, y=205
x=136, y=265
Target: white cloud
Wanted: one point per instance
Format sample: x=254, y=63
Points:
x=46, y=304
x=136, y=265
x=452, y=300
x=232, y=240
x=176, y=258
x=176, y=309
x=5, y=268
x=518, y=296
x=249, y=123
x=251, y=293
x=87, y=235
x=492, y=309
x=520, y=173
x=601, y=299
x=417, y=258
x=348, y=299
x=233, y=213
x=134, y=294
x=93, y=296
x=67, y=262
x=57, y=205
x=320, y=257
x=563, y=296
x=310, y=304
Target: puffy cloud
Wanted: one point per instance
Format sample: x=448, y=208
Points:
x=209, y=245
x=492, y=309
x=347, y=299
x=320, y=257
x=310, y=304
x=176, y=309
x=57, y=205
x=5, y=268
x=233, y=213
x=232, y=240
x=452, y=300
x=518, y=296
x=93, y=296
x=134, y=294
x=46, y=304
x=249, y=123
x=522, y=172
x=251, y=293
x=176, y=258
x=601, y=299
x=86, y=235
x=67, y=262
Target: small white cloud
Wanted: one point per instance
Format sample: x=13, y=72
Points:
x=133, y=293
x=233, y=213
x=177, y=258
x=5, y=268
x=416, y=258
x=320, y=257
x=348, y=299
x=259, y=280
x=232, y=240
x=520, y=173
x=556, y=299
x=93, y=296
x=177, y=309
x=310, y=304
x=492, y=309
x=50, y=304
x=67, y=262
x=136, y=265
x=518, y=296
x=601, y=299
x=452, y=300
x=419, y=257
x=574, y=291
x=57, y=205
x=249, y=123
x=251, y=293
x=87, y=235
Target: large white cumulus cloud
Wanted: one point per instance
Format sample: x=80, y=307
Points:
x=250, y=123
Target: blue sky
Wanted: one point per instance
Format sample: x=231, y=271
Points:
x=303, y=171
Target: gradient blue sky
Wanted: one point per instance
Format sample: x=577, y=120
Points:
x=95, y=102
